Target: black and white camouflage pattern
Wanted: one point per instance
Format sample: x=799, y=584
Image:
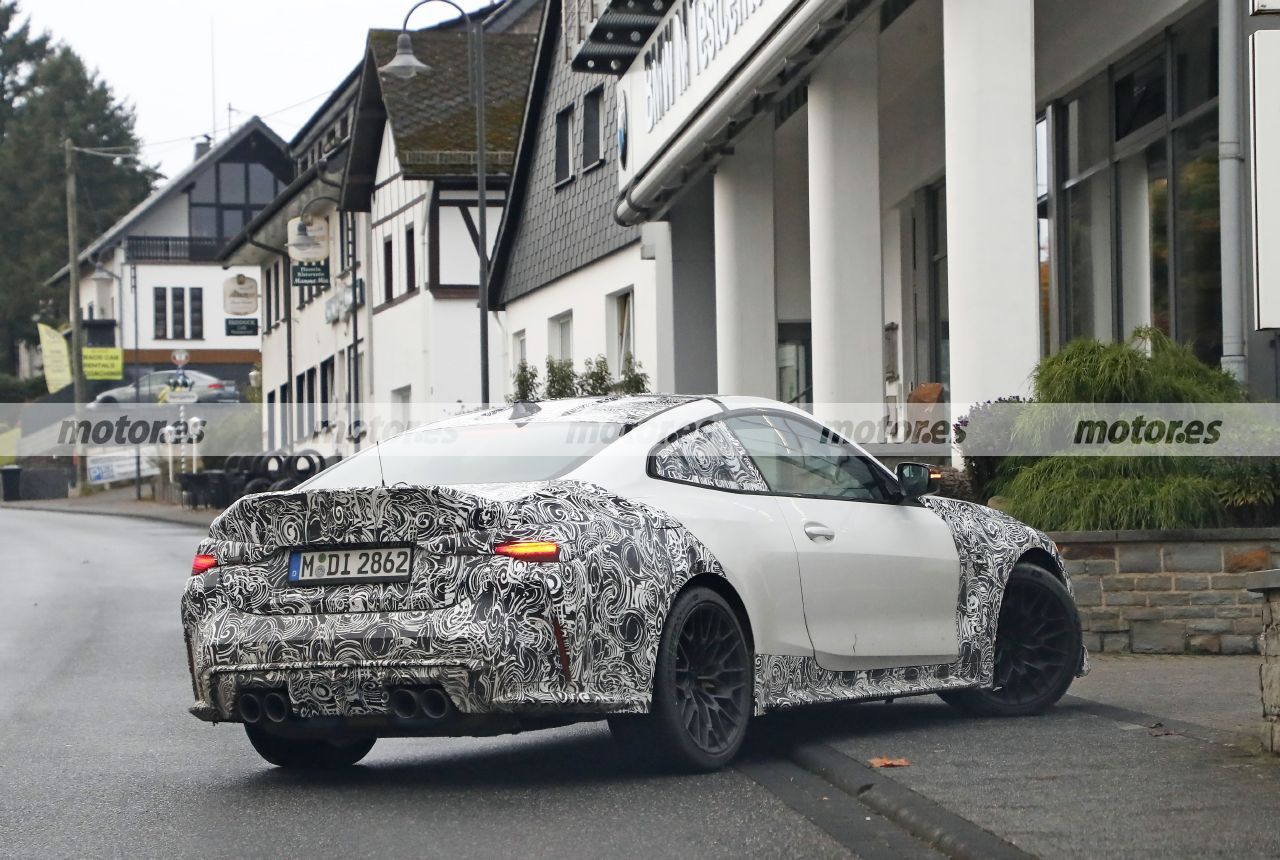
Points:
x=709, y=455
x=483, y=626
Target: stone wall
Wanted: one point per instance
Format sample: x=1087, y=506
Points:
x=1156, y=592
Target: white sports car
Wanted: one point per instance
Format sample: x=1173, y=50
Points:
x=674, y=564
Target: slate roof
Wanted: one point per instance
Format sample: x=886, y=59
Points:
x=548, y=232
x=432, y=114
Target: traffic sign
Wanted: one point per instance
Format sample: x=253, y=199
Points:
x=180, y=357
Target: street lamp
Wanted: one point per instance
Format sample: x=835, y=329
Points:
x=403, y=66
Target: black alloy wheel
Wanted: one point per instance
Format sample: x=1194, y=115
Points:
x=1037, y=649
x=702, y=689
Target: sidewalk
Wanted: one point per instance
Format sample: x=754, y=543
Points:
x=120, y=502
x=1147, y=756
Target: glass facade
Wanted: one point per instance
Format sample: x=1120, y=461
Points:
x=1136, y=197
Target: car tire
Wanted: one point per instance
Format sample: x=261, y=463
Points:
x=702, y=688
x=257, y=485
x=307, y=754
x=1037, y=648
x=304, y=465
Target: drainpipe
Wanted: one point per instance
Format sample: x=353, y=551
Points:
x=1231, y=181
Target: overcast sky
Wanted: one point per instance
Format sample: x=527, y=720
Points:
x=275, y=58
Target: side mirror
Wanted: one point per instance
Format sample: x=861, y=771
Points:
x=917, y=479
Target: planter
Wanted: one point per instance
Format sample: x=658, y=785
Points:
x=1169, y=592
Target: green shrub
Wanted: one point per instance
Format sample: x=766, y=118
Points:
x=595, y=379
x=1155, y=492
x=562, y=381
x=634, y=380
x=15, y=390
x=525, y=385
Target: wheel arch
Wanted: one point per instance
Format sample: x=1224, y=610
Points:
x=721, y=586
x=1043, y=558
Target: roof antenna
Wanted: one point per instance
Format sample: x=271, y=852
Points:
x=524, y=409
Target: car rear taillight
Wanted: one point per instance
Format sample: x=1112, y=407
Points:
x=202, y=563
x=215, y=386
x=529, y=550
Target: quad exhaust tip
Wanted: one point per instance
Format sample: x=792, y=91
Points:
x=271, y=706
x=250, y=707
x=275, y=707
x=408, y=703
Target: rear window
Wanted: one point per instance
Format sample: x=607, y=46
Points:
x=479, y=454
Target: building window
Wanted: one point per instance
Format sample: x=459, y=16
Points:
x=410, y=271
x=1137, y=195
x=929, y=309
x=326, y=391
x=519, y=348
x=267, y=288
x=592, y=131
x=622, y=325
x=226, y=196
x=564, y=145
x=284, y=414
x=311, y=427
x=197, y=313
x=178, y=313
x=388, y=270
x=271, y=420
x=160, y=313
x=300, y=427
x=560, y=337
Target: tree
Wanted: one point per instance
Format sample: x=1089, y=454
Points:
x=20, y=52
x=56, y=98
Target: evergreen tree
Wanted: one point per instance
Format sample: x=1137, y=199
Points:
x=50, y=95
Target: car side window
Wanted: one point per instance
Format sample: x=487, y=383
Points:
x=799, y=457
x=710, y=456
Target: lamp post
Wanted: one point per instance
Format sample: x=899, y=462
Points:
x=404, y=65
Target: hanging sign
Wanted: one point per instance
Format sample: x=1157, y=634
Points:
x=308, y=240
x=240, y=296
x=310, y=274
x=242, y=328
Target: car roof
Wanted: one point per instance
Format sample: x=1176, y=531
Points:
x=627, y=409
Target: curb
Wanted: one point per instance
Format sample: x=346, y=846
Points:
x=924, y=819
x=135, y=515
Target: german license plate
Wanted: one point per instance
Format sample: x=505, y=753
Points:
x=337, y=566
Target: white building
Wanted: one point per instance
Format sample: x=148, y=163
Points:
x=390, y=335
x=165, y=289
x=313, y=343
x=567, y=281
x=841, y=202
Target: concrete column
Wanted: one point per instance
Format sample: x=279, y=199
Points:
x=993, y=266
x=844, y=229
x=746, y=322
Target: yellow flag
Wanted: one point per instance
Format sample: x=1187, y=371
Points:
x=57, y=359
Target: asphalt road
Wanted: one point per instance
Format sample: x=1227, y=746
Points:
x=99, y=758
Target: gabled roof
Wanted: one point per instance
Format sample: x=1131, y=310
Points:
x=549, y=230
x=269, y=226
x=341, y=91
x=173, y=187
x=432, y=115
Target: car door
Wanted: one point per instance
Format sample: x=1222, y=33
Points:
x=880, y=577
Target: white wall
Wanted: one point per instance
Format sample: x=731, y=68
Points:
x=587, y=293
x=209, y=276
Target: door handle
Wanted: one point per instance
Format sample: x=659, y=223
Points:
x=818, y=533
